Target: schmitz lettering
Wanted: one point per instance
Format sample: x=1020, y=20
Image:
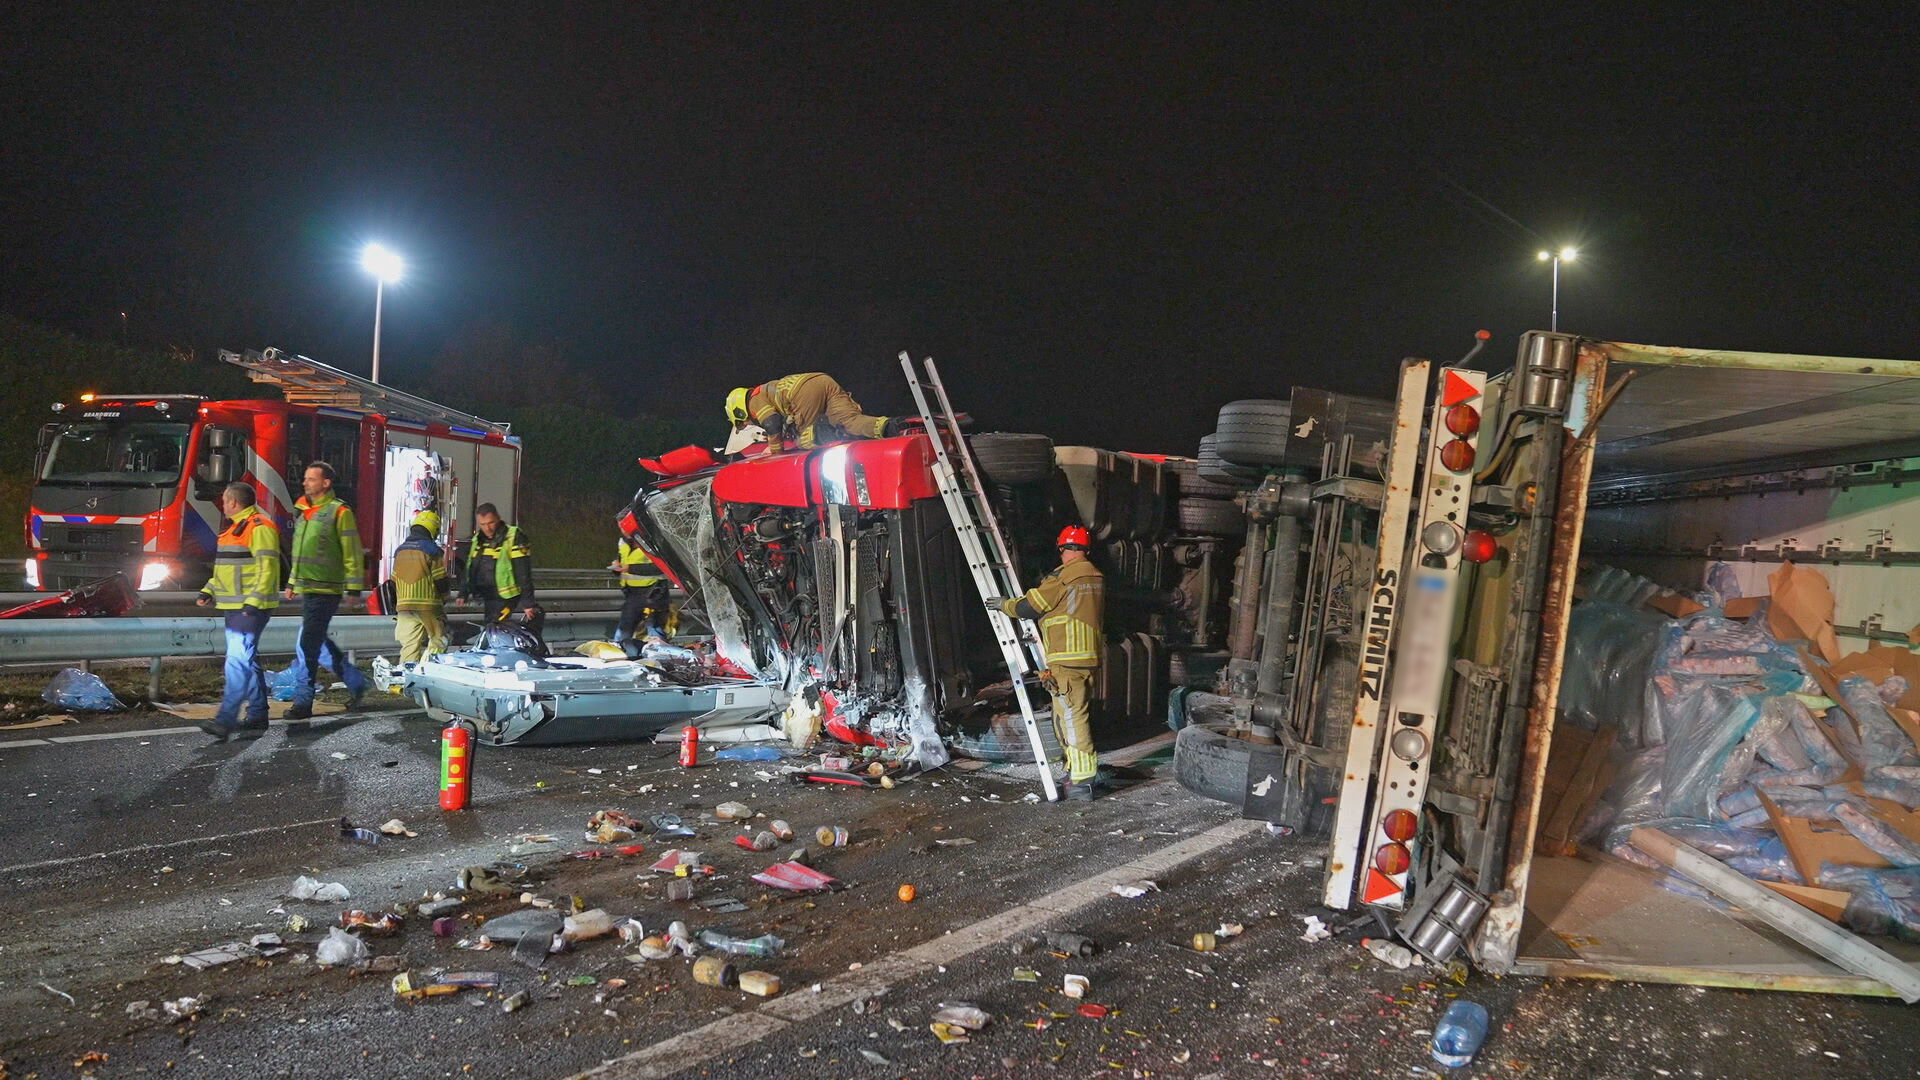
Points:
x=1373, y=663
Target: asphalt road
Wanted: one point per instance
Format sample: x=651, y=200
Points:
x=123, y=851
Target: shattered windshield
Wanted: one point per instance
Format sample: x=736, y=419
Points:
x=116, y=454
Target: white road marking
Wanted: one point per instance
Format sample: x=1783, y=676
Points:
x=143, y=733
x=47, y=864
x=729, y=1034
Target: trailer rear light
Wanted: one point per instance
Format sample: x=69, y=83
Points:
x=1463, y=420
x=1392, y=859
x=629, y=524
x=1457, y=455
x=1478, y=546
x=1440, y=537
x=1409, y=745
x=1400, y=826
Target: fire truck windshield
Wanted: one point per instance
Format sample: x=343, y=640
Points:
x=116, y=454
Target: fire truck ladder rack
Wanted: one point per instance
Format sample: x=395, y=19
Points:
x=984, y=545
x=309, y=382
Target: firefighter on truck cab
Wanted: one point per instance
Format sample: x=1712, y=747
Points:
x=1069, y=606
x=809, y=407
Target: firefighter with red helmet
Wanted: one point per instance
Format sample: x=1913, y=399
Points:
x=1069, y=605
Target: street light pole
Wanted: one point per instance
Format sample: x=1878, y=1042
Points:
x=385, y=267
x=380, y=286
x=1565, y=254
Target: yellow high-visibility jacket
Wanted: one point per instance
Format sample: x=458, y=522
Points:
x=246, y=567
x=1070, y=605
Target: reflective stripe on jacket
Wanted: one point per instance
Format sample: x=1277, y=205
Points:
x=1070, y=606
x=419, y=575
x=637, y=568
x=816, y=407
x=326, y=555
x=506, y=584
x=246, y=567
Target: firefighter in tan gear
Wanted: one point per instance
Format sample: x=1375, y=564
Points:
x=1069, y=604
x=809, y=407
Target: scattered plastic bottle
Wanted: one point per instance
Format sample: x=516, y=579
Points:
x=587, y=924
x=1459, y=1034
x=1388, y=952
x=764, y=945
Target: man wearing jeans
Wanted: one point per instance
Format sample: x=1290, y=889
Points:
x=327, y=562
x=244, y=585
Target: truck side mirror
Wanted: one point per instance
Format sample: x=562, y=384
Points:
x=218, y=468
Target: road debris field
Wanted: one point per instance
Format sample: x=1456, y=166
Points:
x=152, y=927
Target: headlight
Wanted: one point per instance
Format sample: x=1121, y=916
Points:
x=153, y=575
x=33, y=573
x=833, y=474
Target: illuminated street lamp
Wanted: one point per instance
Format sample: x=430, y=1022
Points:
x=1565, y=254
x=386, y=267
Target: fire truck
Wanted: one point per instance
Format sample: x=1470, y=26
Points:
x=130, y=483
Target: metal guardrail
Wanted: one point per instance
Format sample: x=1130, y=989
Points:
x=28, y=641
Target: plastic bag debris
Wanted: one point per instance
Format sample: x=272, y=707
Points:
x=733, y=811
x=1883, y=901
x=396, y=827
x=385, y=924
x=341, y=949
x=82, y=691
x=217, y=955
x=747, y=753
x=527, y=922
x=1315, y=929
x=794, y=877
x=1133, y=890
x=327, y=892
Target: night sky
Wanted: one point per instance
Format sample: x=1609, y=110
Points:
x=1103, y=220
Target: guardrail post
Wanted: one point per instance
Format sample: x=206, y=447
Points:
x=153, y=678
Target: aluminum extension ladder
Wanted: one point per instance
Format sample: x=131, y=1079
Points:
x=984, y=546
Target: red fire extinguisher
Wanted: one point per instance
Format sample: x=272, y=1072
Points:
x=689, y=746
x=456, y=766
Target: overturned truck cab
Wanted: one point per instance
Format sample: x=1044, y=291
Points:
x=836, y=572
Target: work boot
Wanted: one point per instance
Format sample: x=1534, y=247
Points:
x=220, y=732
x=1078, y=792
x=300, y=712
x=252, y=729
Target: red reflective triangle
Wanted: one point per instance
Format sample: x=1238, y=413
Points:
x=1457, y=389
x=1379, y=887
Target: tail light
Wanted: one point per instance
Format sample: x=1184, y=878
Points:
x=1400, y=826
x=629, y=524
x=1392, y=859
x=1463, y=420
x=1478, y=546
x=1457, y=455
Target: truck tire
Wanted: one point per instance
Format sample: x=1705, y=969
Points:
x=1253, y=432
x=1201, y=669
x=1210, y=467
x=1207, y=761
x=1190, y=485
x=1210, y=517
x=990, y=746
x=1007, y=457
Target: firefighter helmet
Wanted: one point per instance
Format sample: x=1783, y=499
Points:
x=737, y=406
x=429, y=521
x=1074, y=536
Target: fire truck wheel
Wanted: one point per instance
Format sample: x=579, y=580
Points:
x=1207, y=761
x=1013, y=458
x=1253, y=432
x=1210, y=467
x=1191, y=485
x=1211, y=517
